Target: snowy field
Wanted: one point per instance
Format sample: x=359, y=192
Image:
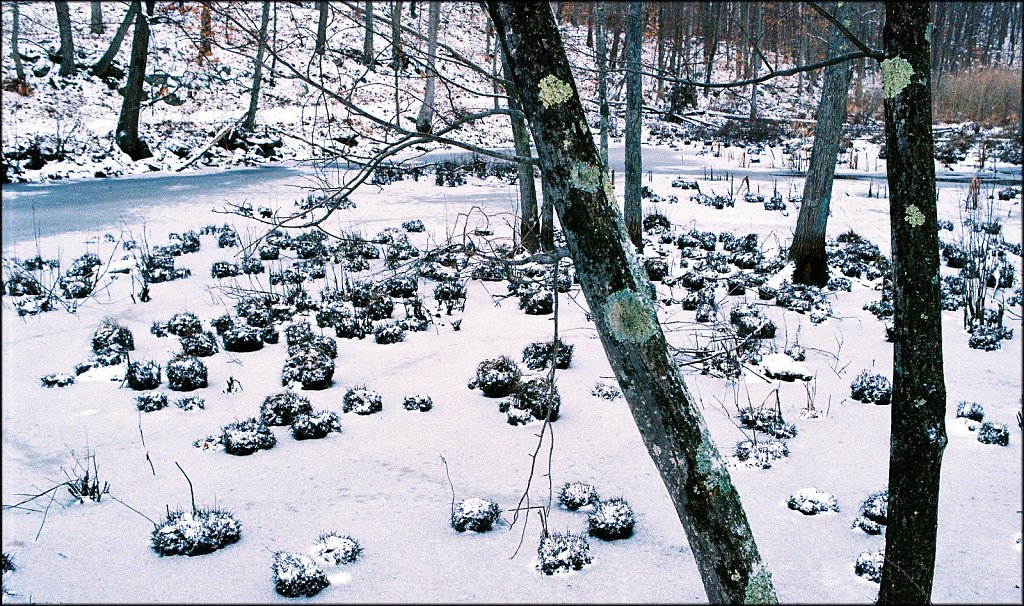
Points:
x=381, y=479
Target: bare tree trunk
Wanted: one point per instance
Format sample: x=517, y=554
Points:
x=96, y=17
x=102, y=68
x=19, y=68
x=529, y=225
x=602, y=81
x=426, y=115
x=620, y=298
x=67, y=42
x=127, y=134
x=321, y=28
x=398, y=58
x=634, y=123
x=808, y=249
x=368, y=35
x=755, y=59
x=918, y=435
x=660, y=92
x=257, y=69
x=205, y=32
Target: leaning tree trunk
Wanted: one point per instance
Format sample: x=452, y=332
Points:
x=426, y=115
x=321, y=28
x=602, y=82
x=808, y=249
x=96, y=17
x=257, y=69
x=67, y=41
x=127, y=133
x=19, y=68
x=368, y=35
x=619, y=296
x=634, y=123
x=918, y=434
x=102, y=68
x=529, y=227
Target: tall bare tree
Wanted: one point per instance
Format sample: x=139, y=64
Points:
x=19, y=68
x=102, y=69
x=398, y=59
x=918, y=435
x=368, y=59
x=127, y=134
x=257, y=69
x=602, y=81
x=808, y=249
x=426, y=115
x=205, y=31
x=619, y=296
x=634, y=122
x=67, y=41
x=96, y=17
x=321, y=27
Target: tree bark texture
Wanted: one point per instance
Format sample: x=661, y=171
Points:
x=602, y=81
x=426, y=115
x=102, y=67
x=205, y=32
x=257, y=69
x=96, y=17
x=19, y=68
x=808, y=249
x=398, y=58
x=619, y=296
x=918, y=412
x=368, y=35
x=67, y=41
x=321, y=28
x=127, y=133
x=529, y=225
x=634, y=123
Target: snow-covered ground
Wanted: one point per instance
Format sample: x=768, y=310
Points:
x=382, y=480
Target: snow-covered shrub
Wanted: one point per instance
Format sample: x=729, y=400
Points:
x=388, y=332
x=573, y=495
x=195, y=533
x=970, y=410
x=187, y=242
x=401, y=286
x=201, y=345
x=869, y=565
x=611, y=520
x=251, y=266
x=536, y=301
x=767, y=419
x=242, y=338
x=496, y=377
x=380, y=308
x=994, y=433
x=246, y=436
x=606, y=390
x=418, y=402
x=751, y=322
x=56, y=379
x=656, y=223
x=335, y=549
x=322, y=343
x=297, y=575
x=657, y=268
x=143, y=375
x=535, y=394
x=414, y=225
x=224, y=269
x=837, y=283
x=989, y=338
x=874, y=513
x=475, y=514
x=149, y=402
x=190, y=403
x=361, y=401
x=871, y=387
x=227, y=237
x=184, y=324
x=811, y=501
x=111, y=337
x=761, y=453
x=563, y=552
x=450, y=293
x=310, y=367
x=269, y=252
x=315, y=425
x=186, y=373
x=537, y=355
x=281, y=408
x=352, y=327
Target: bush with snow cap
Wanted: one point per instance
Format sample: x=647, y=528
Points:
x=994, y=433
x=246, y=437
x=869, y=565
x=297, y=575
x=871, y=387
x=202, y=344
x=195, y=533
x=612, y=520
x=315, y=425
x=874, y=512
x=361, y=401
x=761, y=453
x=537, y=355
x=241, y=338
x=281, y=408
x=151, y=401
x=144, y=375
x=335, y=549
x=573, y=495
x=418, y=402
x=563, y=552
x=536, y=395
x=496, y=377
x=811, y=501
x=309, y=367
x=475, y=514
x=186, y=373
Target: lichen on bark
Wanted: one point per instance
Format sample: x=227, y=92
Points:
x=914, y=216
x=587, y=177
x=760, y=589
x=896, y=73
x=553, y=91
x=630, y=317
